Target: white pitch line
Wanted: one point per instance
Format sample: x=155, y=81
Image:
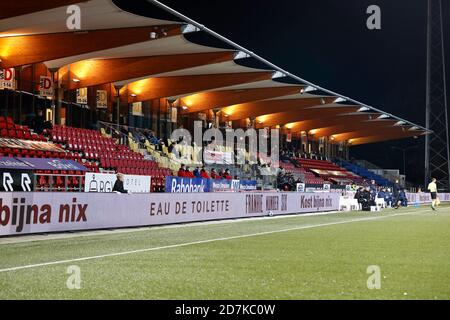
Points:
x=30, y=266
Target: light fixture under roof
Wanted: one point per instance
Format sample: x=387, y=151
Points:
x=241, y=55
x=184, y=107
x=383, y=116
x=278, y=74
x=307, y=89
x=189, y=28
x=339, y=100
x=133, y=95
x=400, y=123
x=363, y=109
x=76, y=80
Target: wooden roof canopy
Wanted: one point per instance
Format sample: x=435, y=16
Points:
x=152, y=58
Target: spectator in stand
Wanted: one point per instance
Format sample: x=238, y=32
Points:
x=189, y=174
x=388, y=197
x=214, y=174
x=39, y=124
x=118, y=185
x=381, y=194
x=204, y=174
x=221, y=174
x=182, y=171
x=197, y=172
x=227, y=175
x=172, y=147
x=152, y=138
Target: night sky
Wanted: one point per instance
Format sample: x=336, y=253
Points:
x=327, y=42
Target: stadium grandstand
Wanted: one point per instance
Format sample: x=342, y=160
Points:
x=116, y=182
x=100, y=89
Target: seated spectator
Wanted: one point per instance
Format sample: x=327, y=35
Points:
x=204, y=174
x=197, y=172
x=388, y=197
x=182, y=171
x=214, y=175
x=172, y=147
x=152, y=139
x=118, y=185
x=403, y=199
x=226, y=175
x=381, y=194
x=189, y=174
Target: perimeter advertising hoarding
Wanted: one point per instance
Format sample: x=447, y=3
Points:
x=16, y=180
x=187, y=185
x=102, y=182
x=34, y=212
x=194, y=185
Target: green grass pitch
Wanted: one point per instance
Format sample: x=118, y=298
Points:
x=295, y=257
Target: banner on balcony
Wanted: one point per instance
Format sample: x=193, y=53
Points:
x=7, y=163
x=53, y=164
x=29, y=145
x=218, y=157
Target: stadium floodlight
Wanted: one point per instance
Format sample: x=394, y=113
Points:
x=184, y=107
x=363, y=109
x=76, y=80
x=400, y=123
x=133, y=95
x=384, y=116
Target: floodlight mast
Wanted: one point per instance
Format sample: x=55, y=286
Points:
x=437, y=149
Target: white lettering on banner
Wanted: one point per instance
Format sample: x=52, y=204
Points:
x=104, y=183
x=190, y=187
x=35, y=212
